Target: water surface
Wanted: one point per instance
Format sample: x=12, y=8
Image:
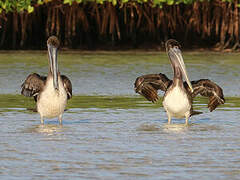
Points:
x=108, y=131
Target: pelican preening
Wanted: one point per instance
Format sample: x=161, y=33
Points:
x=178, y=97
x=52, y=92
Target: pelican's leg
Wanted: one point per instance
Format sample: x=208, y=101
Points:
x=169, y=118
x=42, y=120
x=187, y=118
x=60, y=119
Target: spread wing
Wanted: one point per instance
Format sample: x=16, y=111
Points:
x=148, y=85
x=208, y=89
x=33, y=84
x=67, y=85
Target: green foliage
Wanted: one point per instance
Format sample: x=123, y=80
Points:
x=16, y=5
x=28, y=5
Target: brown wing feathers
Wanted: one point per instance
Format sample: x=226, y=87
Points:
x=67, y=85
x=148, y=85
x=33, y=85
x=149, y=93
x=209, y=89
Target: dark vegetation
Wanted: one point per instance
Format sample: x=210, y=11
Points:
x=110, y=24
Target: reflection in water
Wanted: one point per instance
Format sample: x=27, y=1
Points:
x=194, y=127
x=46, y=129
x=148, y=127
x=176, y=128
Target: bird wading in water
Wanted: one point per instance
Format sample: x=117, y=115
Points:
x=178, y=97
x=52, y=92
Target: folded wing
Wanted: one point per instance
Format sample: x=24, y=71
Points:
x=208, y=89
x=148, y=85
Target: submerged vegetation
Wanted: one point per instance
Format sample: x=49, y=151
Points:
x=111, y=102
x=108, y=23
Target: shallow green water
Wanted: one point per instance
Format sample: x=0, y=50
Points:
x=108, y=131
x=108, y=102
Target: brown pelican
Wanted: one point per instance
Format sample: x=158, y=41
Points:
x=178, y=97
x=52, y=92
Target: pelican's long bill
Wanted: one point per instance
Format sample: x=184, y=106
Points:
x=52, y=52
x=175, y=54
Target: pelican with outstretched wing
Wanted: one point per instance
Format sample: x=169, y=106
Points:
x=52, y=92
x=178, y=97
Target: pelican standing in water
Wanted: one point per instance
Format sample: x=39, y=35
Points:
x=52, y=92
x=178, y=97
